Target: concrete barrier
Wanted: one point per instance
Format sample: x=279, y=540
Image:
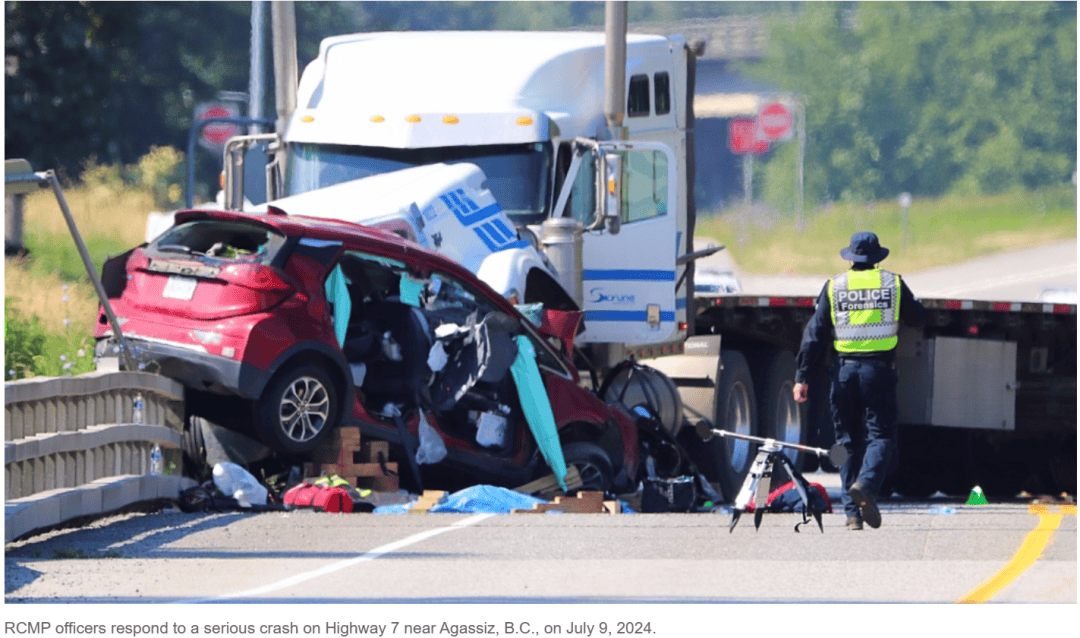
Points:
x=72, y=447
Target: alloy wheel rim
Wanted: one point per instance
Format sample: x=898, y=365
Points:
x=304, y=409
x=590, y=475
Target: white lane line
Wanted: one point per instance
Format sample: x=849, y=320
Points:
x=363, y=558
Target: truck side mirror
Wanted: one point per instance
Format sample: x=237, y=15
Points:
x=612, y=212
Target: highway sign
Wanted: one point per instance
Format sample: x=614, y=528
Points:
x=742, y=139
x=215, y=135
x=774, y=122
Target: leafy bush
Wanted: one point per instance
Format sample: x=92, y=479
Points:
x=29, y=351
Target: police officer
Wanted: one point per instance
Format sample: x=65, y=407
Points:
x=858, y=315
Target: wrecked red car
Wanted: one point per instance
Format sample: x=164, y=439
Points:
x=311, y=324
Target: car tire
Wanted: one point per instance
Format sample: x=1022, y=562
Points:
x=297, y=410
x=593, y=465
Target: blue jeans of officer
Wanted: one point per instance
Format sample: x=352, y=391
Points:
x=863, y=402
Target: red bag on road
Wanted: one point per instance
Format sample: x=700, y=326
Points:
x=333, y=499
x=322, y=495
x=302, y=495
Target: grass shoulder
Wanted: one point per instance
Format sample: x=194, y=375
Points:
x=935, y=232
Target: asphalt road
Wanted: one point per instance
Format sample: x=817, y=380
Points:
x=925, y=552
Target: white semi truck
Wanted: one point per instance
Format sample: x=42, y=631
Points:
x=587, y=148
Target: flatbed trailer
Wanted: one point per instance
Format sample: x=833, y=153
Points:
x=987, y=391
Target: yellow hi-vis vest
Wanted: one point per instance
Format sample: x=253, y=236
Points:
x=865, y=306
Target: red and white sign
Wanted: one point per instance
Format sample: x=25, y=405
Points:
x=214, y=136
x=742, y=137
x=774, y=122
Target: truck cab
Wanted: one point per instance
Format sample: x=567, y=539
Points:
x=612, y=214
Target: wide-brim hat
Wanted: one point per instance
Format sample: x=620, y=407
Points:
x=864, y=249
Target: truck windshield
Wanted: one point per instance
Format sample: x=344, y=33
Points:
x=516, y=174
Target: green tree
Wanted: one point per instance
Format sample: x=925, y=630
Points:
x=929, y=97
x=111, y=79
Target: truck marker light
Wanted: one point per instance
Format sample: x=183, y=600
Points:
x=413, y=119
x=524, y=120
x=307, y=119
x=377, y=118
x=450, y=119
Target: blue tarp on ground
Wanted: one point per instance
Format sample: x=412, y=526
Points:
x=486, y=499
x=478, y=499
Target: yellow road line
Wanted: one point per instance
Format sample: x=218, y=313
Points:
x=1029, y=552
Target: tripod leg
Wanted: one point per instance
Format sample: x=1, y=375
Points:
x=761, y=495
x=746, y=492
x=803, y=486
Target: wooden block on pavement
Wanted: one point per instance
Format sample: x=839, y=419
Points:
x=383, y=483
x=547, y=486
x=348, y=469
x=369, y=451
x=347, y=434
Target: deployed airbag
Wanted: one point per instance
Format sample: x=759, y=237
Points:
x=537, y=407
x=337, y=293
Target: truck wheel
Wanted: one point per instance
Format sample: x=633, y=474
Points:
x=593, y=465
x=781, y=417
x=297, y=410
x=736, y=411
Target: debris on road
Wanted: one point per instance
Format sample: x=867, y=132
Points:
x=585, y=502
x=363, y=465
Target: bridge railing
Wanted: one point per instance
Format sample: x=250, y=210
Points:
x=72, y=447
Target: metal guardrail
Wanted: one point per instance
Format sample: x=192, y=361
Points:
x=72, y=449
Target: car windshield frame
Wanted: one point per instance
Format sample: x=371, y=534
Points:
x=313, y=166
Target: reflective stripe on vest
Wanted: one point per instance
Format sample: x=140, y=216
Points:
x=865, y=306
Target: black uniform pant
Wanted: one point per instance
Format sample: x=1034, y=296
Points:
x=863, y=402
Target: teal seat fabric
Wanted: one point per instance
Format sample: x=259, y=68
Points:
x=537, y=407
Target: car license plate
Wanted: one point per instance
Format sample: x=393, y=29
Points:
x=180, y=288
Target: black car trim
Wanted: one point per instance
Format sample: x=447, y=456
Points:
x=252, y=385
x=194, y=369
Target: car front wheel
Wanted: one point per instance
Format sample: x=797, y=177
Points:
x=297, y=410
x=593, y=465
